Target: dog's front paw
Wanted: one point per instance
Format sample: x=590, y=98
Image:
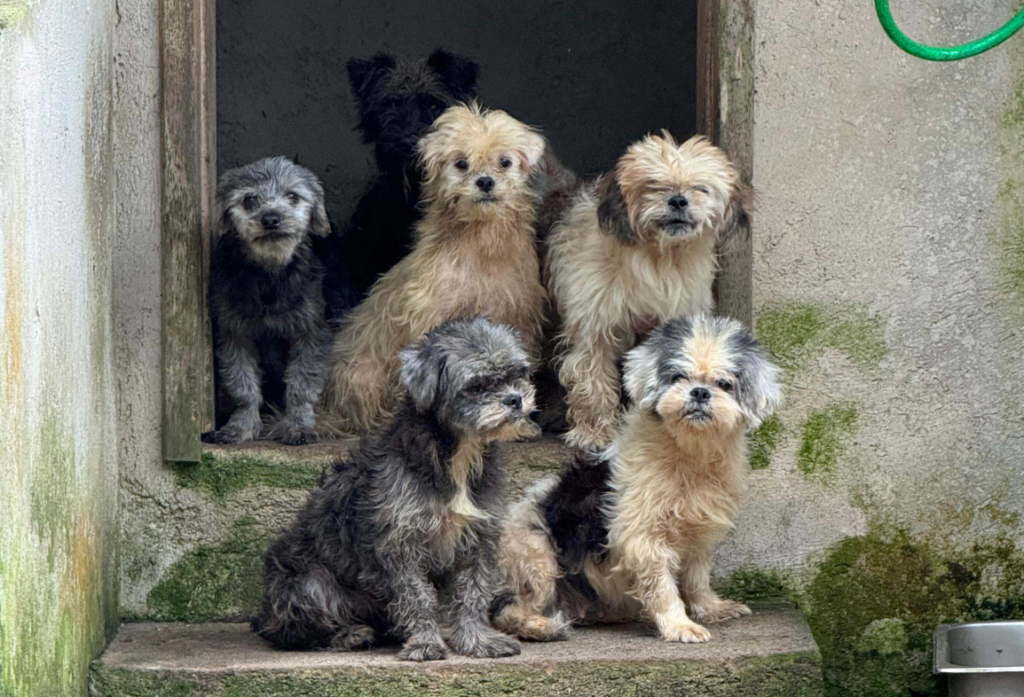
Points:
x=358, y=636
x=420, y=650
x=230, y=435
x=589, y=439
x=299, y=435
x=683, y=630
x=728, y=610
x=484, y=642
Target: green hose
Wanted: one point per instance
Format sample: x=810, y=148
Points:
x=945, y=53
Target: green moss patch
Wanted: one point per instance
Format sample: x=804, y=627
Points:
x=824, y=437
x=795, y=332
x=764, y=441
x=220, y=473
x=749, y=584
x=213, y=583
x=876, y=601
x=11, y=11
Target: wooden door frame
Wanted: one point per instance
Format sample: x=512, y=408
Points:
x=725, y=91
x=725, y=113
x=188, y=114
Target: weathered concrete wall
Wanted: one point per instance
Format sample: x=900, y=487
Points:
x=888, y=279
x=58, y=466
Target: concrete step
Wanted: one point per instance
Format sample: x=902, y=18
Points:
x=212, y=527
x=771, y=654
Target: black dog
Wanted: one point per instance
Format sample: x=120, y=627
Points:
x=421, y=502
x=398, y=100
x=266, y=297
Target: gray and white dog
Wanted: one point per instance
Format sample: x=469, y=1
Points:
x=420, y=506
x=266, y=296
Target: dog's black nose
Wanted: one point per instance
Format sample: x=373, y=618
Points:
x=485, y=184
x=271, y=221
x=678, y=203
x=514, y=401
x=700, y=394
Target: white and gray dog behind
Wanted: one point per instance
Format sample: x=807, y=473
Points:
x=418, y=508
x=266, y=297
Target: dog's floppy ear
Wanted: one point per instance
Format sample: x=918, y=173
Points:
x=458, y=74
x=640, y=375
x=424, y=370
x=532, y=151
x=736, y=221
x=612, y=215
x=319, y=224
x=759, y=392
x=364, y=75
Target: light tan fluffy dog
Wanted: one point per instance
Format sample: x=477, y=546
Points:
x=474, y=254
x=627, y=252
x=637, y=528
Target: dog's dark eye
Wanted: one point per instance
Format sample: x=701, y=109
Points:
x=474, y=390
x=724, y=385
x=505, y=163
x=293, y=197
x=461, y=164
x=680, y=376
x=249, y=201
x=701, y=188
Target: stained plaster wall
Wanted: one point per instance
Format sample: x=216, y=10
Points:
x=58, y=466
x=889, y=280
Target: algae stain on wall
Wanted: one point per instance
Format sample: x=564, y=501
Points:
x=824, y=438
x=764, y=441
x=875, y=601
x=213, y=583
x=795, y=332
x=11, y=11
x=1008, y=238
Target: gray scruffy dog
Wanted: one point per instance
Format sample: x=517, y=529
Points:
x=266, y=296
x=420, y=504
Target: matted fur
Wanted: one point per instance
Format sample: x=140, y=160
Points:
x=674, y=476
x=474, y=254
x=266, y=297
x=629, y=251
x=417, y=511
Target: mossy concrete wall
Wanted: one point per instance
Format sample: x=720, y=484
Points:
x=58, y=460
x=887, y=279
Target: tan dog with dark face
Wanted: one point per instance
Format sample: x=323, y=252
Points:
x=630, y=251
x=633, y=533
x=474, y=254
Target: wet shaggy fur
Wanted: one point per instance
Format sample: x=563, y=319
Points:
x=266, y=297
x=397, y=99
x=625, y=253
x=419, y=507
x=475, y=254
x=633, y=535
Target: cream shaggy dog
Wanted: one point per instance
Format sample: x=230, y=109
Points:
x=474, y=254
x=633, y=533
x=627, y=252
